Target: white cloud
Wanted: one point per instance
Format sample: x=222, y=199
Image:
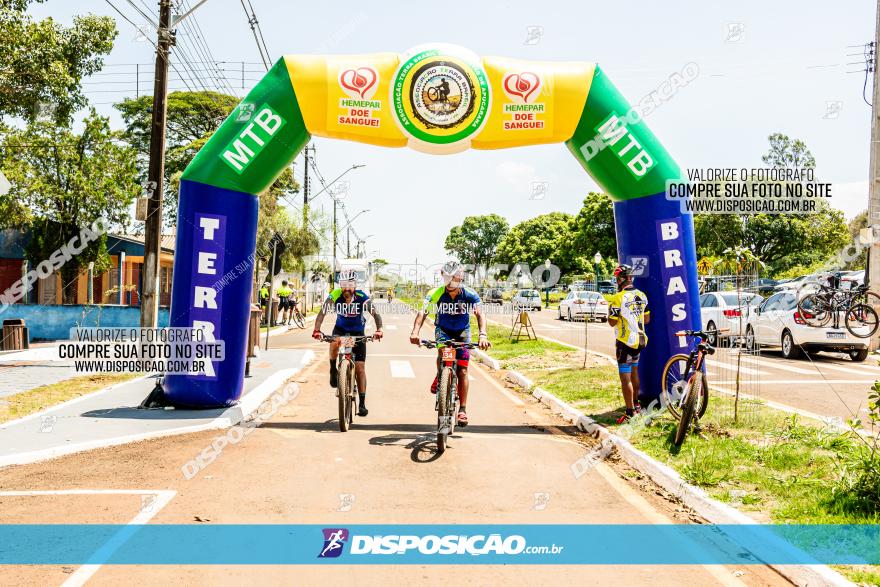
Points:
x=519, y=175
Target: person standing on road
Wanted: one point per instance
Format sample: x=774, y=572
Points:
x=351, y=306
x=628, y=313
x=264, y=299
x=284, y=303
x=453, y=304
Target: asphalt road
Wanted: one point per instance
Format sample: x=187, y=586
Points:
x=512, y=465
x=827, y=384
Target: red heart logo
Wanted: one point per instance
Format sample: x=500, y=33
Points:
x=359, y=80
x=522, y=84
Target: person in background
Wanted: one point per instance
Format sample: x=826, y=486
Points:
x=628, y=313
x=264, y=299
x=284, y=302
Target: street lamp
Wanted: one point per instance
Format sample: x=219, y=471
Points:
x=597, y=258
x=332, y=183
x=547, y=284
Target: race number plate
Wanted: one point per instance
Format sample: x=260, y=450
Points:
x=447, y=353
x=347, y=343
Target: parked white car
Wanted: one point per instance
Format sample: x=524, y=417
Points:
x=526, y=299
x=583, y=304
x=727, y=310
x=777, y=323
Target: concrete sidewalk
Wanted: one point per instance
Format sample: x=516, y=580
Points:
x=110, y=416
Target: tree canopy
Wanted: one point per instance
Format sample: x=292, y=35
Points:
x=62, y=182
x=476, y=239
x=42, y=63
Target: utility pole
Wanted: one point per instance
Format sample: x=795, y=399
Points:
x=306, y=187
x=873, y=270
x=156, y=171
x=348, y=243
x=333, y=269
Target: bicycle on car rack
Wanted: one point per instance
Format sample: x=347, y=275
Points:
x=826, y=305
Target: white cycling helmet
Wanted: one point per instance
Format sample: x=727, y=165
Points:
x=348, y=277
x=452, y=269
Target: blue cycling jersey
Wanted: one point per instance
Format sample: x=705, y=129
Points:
x=452, y=314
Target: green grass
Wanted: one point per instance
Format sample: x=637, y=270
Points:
x=777, y=467
x=39, y=398
x=508, y=351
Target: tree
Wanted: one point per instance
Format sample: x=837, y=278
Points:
x=192, y=119
x=274, y=218
x=538, y=239
x=782, y=241
x=855, y=227
x=787, y=153
x=476, y=239
x=594, y=227
x=42, y=63
x=63, y=182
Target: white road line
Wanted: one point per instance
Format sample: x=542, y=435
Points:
x=401, y=369
x=410, y=355
x=785, y=367
x=856, y=369
x=389, y=326
x=745, y=370
x=802, y=381
x=85, y=572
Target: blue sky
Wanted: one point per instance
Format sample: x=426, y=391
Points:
x=764, y=67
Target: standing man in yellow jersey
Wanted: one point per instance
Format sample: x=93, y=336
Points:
x=628, y=313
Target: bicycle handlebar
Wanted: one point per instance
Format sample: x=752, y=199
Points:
x=331, y=338
x=431, y=344
x=700, y=333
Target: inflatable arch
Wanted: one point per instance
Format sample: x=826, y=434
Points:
x=436, y=99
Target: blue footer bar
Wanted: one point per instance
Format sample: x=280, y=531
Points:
x=187, y=544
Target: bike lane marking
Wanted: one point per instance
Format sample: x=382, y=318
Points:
x=85, y=572
x=401, y=369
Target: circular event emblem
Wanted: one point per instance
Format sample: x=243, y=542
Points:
x=441, y=97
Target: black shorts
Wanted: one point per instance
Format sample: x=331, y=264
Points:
x=359, y=351
x=627, y=357
x=285, y=303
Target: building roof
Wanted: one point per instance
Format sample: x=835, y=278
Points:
x=167, y=242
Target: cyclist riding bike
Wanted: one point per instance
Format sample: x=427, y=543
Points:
x=284, y=303
x=351, y=306
x=453, y=303
x=628, y=314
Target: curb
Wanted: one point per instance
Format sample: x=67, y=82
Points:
x=233, y=415
x=666, y=477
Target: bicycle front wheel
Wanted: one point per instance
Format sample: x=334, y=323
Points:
x=343, y=390
x=688, y=405
x=298, y=319
x=443, y=413
x=861, y=321
x=673, y=382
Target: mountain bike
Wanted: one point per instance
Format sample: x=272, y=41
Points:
x=857, y=305
x=684, y=387
x=447, y=402
x=346, y=383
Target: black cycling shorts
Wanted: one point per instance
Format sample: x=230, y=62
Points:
x=359, y=351
x=285, y=304
x=627, y=357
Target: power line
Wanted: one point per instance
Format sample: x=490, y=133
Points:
x=258, y=35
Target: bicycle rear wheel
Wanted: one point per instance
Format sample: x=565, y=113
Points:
x=343, y=391
x=673, y=382
x=298, y=319
x=443, y=415
x=688, y=406
x=861, y=321
x=814, y=309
